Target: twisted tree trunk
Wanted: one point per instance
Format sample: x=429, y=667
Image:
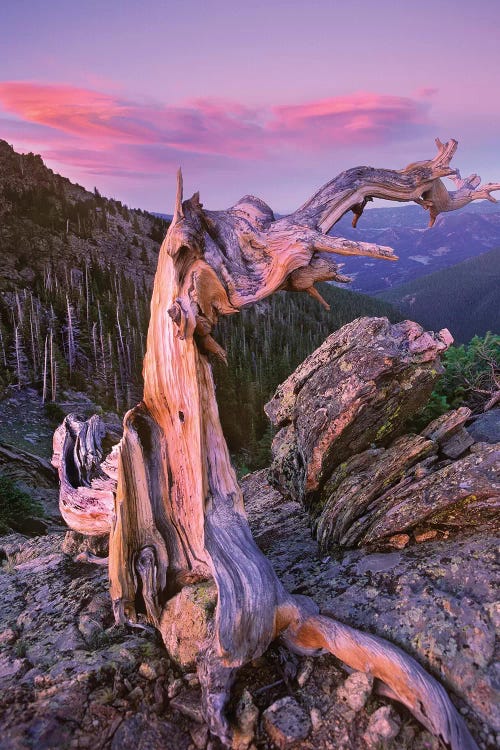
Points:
x=178, y=516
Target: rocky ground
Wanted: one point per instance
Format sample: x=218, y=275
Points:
x=69, y=678
x=437, y=598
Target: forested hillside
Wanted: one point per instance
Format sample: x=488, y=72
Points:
x=75, y=281
x=464, y=298
x=75, y=287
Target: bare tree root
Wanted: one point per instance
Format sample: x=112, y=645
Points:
x=406, y=680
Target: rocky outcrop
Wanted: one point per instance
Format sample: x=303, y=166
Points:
x=486, y=427
x=412, y=487
x=21, y=465
x=359, y=387
x=341, y=449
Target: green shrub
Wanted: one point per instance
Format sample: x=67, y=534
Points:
x=470, y=372
x=15, y=504
x=54, y=412
x=469, y=377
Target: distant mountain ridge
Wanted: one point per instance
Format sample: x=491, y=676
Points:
x=464, y=298
x=455, y=237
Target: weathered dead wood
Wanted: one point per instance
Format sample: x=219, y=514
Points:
x=405, y=679
x=179, y=517
x=439, y=200
x=87, y=478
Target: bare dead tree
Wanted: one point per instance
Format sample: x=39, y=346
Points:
x=44, y=379
x=178, y=517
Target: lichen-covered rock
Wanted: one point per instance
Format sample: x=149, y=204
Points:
x=448, y=432
x=286, y=722
x=143, y=733
x=381, y=493
x=24, y=466
x=356, y=487
x=485, y=428
x=463, y=493
x=356, y=690
x=338, y=452
x=358, y=387
x=121, y=676
x=384, y=726
x=76, y=544
x=188, y=702
x=68, y=676
x=185, y=620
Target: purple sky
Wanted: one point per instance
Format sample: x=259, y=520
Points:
x=272, y=98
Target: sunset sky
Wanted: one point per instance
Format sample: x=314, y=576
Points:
x=272, y=98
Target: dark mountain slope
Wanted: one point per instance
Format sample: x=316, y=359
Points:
x=75, y=277
x=455, y=237
x=464, y=298
x=47, y=221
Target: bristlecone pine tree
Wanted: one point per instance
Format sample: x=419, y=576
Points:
x=173, y=506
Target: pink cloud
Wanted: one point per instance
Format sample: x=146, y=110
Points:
x=134, y=161
x=427, y=92
x=31, y=132
x=204, y=126
x=114, y=135
x=71, y=110
x=356, y=118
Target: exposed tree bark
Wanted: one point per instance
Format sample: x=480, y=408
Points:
x=178, y=517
